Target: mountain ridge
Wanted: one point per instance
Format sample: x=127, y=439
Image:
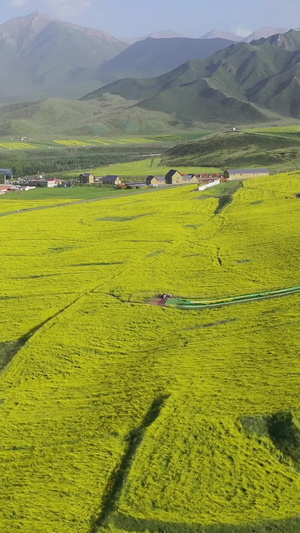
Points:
x=215, y=34
x=244, y=81
x=152, y=57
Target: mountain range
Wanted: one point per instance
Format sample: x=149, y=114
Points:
x=153, y=56
x=262, y=33
x=41, y=57
x=155, y=84
x=163, y=34
x=242, y=83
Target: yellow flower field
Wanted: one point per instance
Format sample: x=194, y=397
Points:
x=117, y=415
x=17, y=145
x=106, y=141
x=71, y=142
x=9, y=204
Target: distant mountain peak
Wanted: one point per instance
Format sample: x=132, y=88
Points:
x=264, y=33
x=41, y=56
x=215, y=34
x=161, y=34
x=164, y=34
x=289, y=40
x=21, y=30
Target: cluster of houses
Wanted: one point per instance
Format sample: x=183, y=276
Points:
x=89, y=179
x=173, y=177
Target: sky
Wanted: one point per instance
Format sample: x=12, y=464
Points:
x=191, y=18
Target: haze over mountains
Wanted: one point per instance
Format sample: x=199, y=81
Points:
x=41, y=57
x=154, y=84
x=152, y=57
x=229, y=35
x=262, y=33
x=163, y=34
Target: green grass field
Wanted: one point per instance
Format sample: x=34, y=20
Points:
x=63, y=194
x=103, y=140
x=242, y=149
x=149, y=166
x=278, y=129
x=119, y=416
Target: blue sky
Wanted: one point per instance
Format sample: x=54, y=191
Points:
x=192, y=18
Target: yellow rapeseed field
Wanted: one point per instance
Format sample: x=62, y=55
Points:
x=16, y=145
x=117, y=415
x=72, y=142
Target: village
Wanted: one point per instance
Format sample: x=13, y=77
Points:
x=8, y=183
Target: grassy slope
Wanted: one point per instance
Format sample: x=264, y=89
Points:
x=242, y=84
x=76, y=153
x=239, y=149
x=87, y=378
x=147, y=167
x=73, y=117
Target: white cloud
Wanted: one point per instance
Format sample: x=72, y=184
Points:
x=59, y=8
x=242, y=32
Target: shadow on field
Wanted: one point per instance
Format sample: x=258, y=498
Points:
x=283, y=431
x=224, y=193
x=130, y=524
x=116, y=484
x=281, y=428
x=8, y=350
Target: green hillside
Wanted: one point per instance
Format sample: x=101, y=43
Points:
x=152, y=57
x=112, y=114
x=243, y=83
x=238, y=149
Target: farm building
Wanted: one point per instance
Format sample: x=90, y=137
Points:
x=111, y=180
x=155, y=180
x=44, y=182
x=48, y=182
x=40, y=182
x=189, y=178
x=5, y=174
x=243, y=173
x=136, y=185
x=87, y=178
x=173, y=177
